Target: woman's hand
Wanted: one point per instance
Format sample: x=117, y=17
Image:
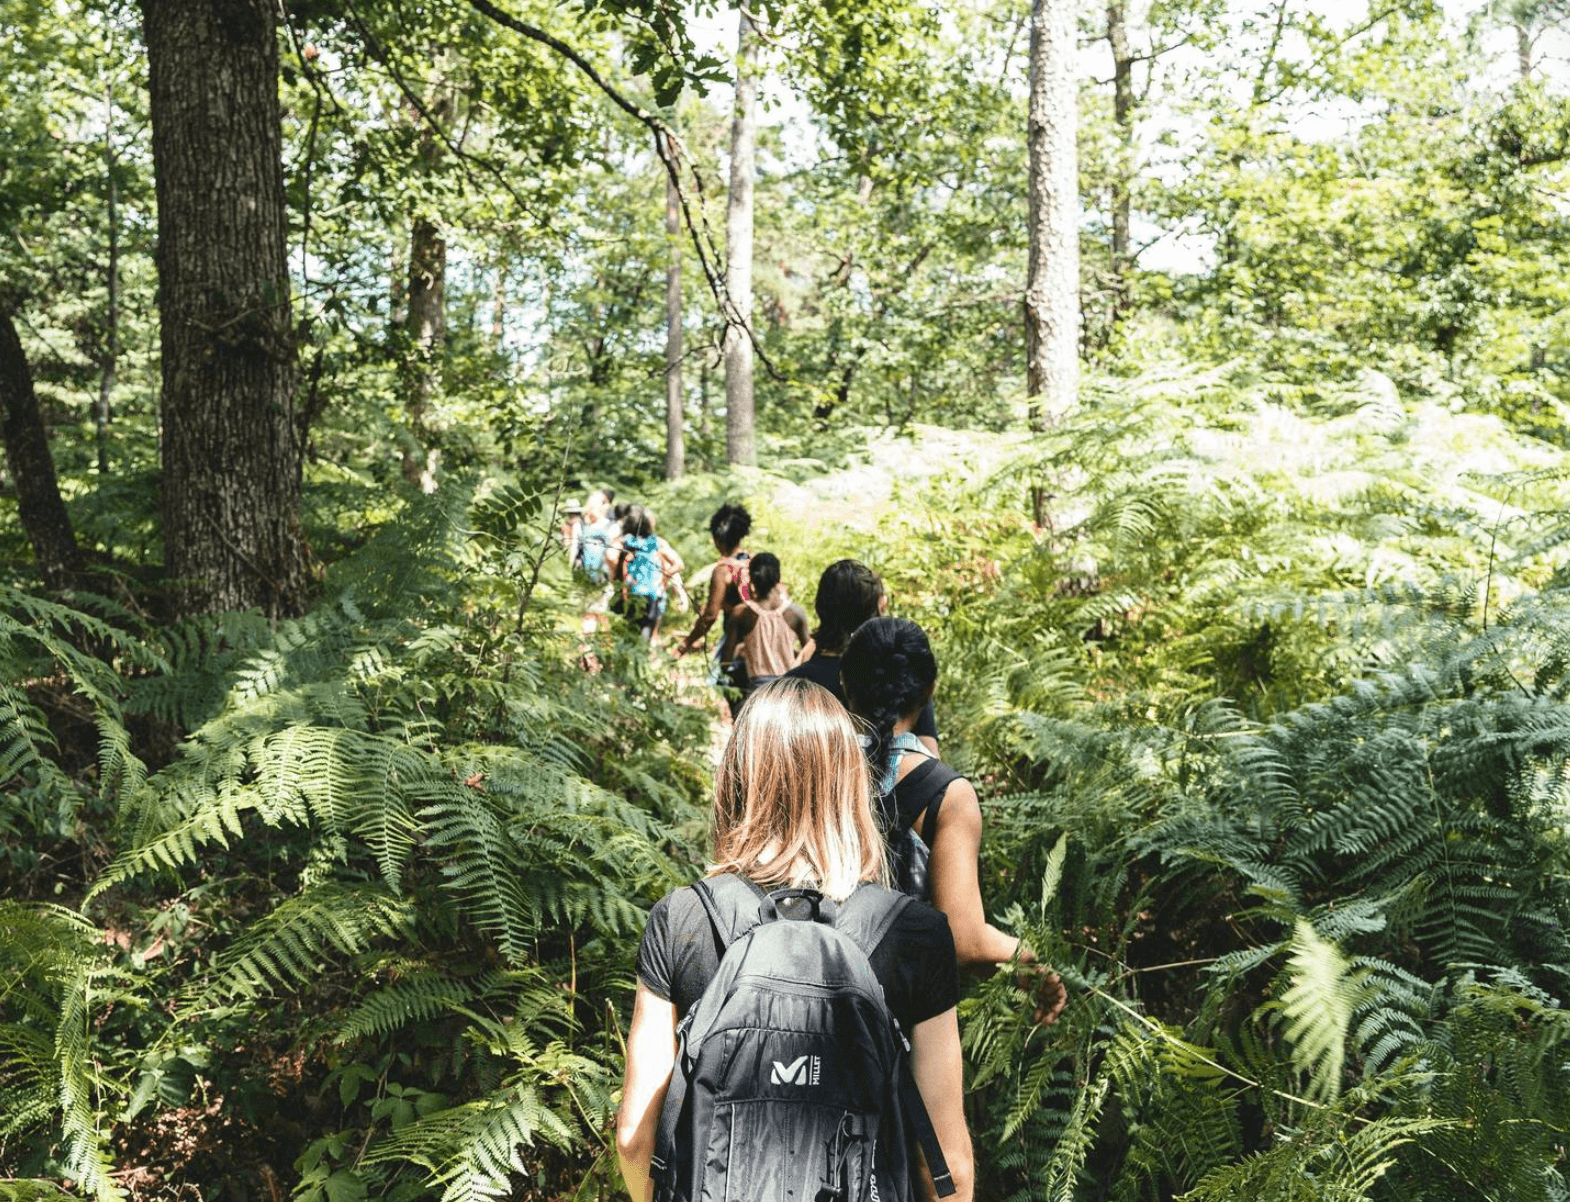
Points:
x=1045, y=988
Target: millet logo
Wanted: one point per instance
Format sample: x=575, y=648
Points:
x=801, y=1071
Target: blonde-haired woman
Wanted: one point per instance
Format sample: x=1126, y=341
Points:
x=793, y=809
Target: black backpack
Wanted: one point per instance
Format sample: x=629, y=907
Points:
x=792, y=1080
x=921, y=789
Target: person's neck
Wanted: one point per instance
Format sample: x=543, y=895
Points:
x=906, y=724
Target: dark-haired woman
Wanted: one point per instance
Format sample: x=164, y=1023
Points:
x=770, y=627
x=850, y=593
x=728, y=528
x=889, y=671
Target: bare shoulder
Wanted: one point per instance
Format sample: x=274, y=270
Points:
x=961, y=806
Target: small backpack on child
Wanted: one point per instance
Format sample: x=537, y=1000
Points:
x=641, y=569
x=591, y=552
x=792, y=1080
x=740, y=573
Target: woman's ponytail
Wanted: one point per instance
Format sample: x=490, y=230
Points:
x=887, y=671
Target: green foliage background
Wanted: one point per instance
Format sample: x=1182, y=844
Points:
x=1272, y=739
x=1258, y=656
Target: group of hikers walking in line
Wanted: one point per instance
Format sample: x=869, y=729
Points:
x=795, y=1035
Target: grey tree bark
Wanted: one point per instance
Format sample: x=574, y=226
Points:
x=740, y=445
x=1123, y=103
x=426, y=325
x=40, y=508
x=426, y=318
x=109, y=361
x=231, y=460
x=1052, y=282
x=675, y=446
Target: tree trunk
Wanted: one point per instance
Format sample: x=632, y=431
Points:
x=231, y=481
x=1123, y=166
x=27, y=457
x=427, y=329
x=109, y=363
x=1523, y=50
x=675, y=448
x=739, y=442
x=426, y=321
x=499, y=309
x=1052, y=286
x=703, y=410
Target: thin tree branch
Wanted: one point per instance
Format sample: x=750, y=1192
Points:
x=669, y=148
x=379, y=52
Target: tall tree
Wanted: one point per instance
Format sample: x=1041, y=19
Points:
x=231, y=463
x=40, y=508
x=425, y=321
x=675, y=449
x=108, y=362
x=739, y=413
x=1123, y=166
x=1529, y=20
x=1052, y=281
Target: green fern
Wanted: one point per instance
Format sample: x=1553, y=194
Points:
x=471, y=1151
x=1316, y=1009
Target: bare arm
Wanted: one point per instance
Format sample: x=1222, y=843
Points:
x=670, y=560
x=651, y=1056
x=796, y=616
x=745, y=618
x=940, y=1076
x=956, y=886
x=719, y=581
x=956, y=890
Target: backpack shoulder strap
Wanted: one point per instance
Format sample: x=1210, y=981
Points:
x=922, y=788
x=731, y=902
x=921, y=1127
x=866, y=916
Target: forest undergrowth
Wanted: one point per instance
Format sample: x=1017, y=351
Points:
x=1264, y=688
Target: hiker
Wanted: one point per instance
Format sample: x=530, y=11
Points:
x=645, y=564
x=850, y=593
x=770, y=627
x=889, y=671
x=728, y=584
x=598, y=529
x=572, y=530
x=792, y=814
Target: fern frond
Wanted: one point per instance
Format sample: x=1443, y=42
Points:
x=415, y=998
x=35, y=1190
x=1317, y=1008
x=471, y=1150
x=286, y=949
